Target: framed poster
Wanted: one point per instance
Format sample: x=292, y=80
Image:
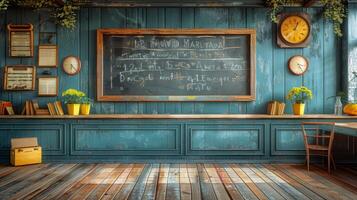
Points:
x=48, y=86
x=47, y=55
x=20, y=40
x=19, y=77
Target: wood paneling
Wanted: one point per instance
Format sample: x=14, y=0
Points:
x=273, y=79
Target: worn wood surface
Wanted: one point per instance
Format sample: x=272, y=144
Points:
x=175, y=181
x=180, y=116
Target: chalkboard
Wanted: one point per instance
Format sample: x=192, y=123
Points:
x=175, y=65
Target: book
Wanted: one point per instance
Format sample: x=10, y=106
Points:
x=56, y=108
x=59, y=106
x=42, y=111
x=35, y=104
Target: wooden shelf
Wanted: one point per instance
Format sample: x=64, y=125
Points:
x=179, y=116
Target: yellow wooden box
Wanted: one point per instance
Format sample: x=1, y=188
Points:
x=25, y=151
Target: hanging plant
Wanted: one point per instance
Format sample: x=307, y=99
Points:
x=333, y=10
x=276, y=6
x=64, y=15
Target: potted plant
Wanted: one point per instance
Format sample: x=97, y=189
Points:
x=86, y=102
x=299, y=95
x=73, y=100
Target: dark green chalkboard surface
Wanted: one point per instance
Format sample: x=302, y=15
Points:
x=175, y=65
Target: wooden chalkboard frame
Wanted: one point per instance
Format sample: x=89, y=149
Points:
x=100, y=64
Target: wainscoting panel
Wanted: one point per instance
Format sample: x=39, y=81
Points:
x=51, y=136
x=225, y=139
x=131, y=139
x=287, y=139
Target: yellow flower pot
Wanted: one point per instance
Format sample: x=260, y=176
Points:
x=299, y=108
x=73, y=109
x=85, y=109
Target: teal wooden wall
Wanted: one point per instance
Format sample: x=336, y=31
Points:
x=273, y=77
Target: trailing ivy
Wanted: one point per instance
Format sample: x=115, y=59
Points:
x=333, y=10
x=64, y=15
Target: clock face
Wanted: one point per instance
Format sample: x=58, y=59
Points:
x=294, y=29
x=298, y=65
x=71, y=65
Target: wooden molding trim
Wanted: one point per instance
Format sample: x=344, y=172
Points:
x=180, y=116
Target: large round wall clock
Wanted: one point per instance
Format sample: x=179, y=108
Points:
x=298, y=65
x=294, y=30
x=71, y=65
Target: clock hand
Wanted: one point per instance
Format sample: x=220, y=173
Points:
x=72, y=67
x=300, y=66
x=297, y=24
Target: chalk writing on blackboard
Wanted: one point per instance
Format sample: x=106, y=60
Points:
x=173, y=67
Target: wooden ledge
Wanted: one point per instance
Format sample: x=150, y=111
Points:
x=180, y=116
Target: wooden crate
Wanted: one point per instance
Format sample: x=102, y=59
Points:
x=25, y=151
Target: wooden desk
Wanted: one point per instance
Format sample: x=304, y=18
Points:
x=349, y=129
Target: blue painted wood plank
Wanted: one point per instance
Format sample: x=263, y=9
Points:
x=237, y=19
x=33, y=18
x=69, y=41
x=95, y=23
x=3, y=49
x=14, y=16
x=133, y=21
x=331, y=73
x=314, y=78
x=211, y=18
x=84, y=50
x=187, y=21
x=114, y=18
x=258, y=19
x=152, y=21
x=173, y=20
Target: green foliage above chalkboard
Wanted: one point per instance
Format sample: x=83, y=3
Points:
x=333, y=10
x=63, y=14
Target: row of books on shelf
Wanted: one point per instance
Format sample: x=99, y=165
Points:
x=33, y=108
x=275, y=108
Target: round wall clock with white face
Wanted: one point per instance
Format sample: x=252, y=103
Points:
x=298, y=65
x=71, y=65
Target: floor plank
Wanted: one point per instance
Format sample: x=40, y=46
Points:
x=130, y=182
x=75, y=176
x=139, y=188
x=249, y=182
x=296, y=194
x=321, y=189
x=207, y=190
x=176, y=181
x=151, y=183
x=194, y=181
x=228, y=184
x=294, y=183
x=119, y=182
x=173, y=183
x=162, y=181
x=239, y=183
x=100, y=190
x=185, y=185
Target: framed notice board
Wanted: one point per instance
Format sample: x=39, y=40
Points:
x=20, y=40
x=176, y=64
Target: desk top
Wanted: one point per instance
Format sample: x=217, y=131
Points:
x=181, y=116
x=352, y=125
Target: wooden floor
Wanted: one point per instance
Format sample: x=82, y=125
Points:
x=175, y=181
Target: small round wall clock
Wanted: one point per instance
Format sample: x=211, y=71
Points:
x=71, y=65
x=294, y=30
x=298, y=65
